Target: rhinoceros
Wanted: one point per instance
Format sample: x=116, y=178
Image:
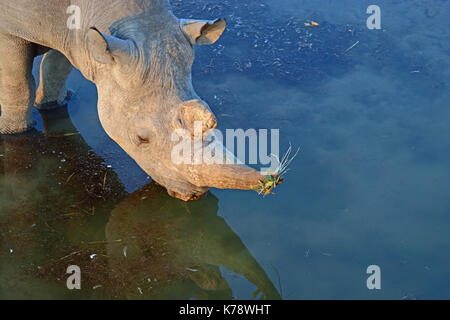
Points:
x=147, y=234
x=140, y=56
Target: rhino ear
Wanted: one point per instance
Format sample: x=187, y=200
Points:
x=203, y=31
x=106, y=49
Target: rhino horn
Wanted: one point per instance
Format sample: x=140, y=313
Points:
x=234, y=176
x=230, y=173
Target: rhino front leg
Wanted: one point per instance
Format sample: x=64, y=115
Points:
x=55, y=68
x=17, y=86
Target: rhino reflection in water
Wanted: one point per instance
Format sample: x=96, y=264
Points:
x=53, y=196
x=171, y=249
x=54, y=214
x=140, y=57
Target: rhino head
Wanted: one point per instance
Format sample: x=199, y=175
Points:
x=143, y=76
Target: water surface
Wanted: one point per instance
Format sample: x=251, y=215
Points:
x=370, y=186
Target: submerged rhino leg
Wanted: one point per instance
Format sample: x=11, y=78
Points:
x=17, y=86
x=55, y=68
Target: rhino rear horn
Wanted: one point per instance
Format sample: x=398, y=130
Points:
x=107, y=49
x=203, y=31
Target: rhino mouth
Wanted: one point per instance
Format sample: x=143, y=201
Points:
x=200, y=179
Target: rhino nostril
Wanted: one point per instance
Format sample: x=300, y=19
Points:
x=211, y=124
x=194, y=111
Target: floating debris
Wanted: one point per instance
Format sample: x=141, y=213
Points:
x=73, y=214
x=70, y=255
x=301, y=53
x=351, y=47
x=103, y=242
x=312, y=24
x=70, y=177
x=104, y=180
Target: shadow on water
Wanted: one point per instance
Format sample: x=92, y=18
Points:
x=171, y=249
x=61, y=205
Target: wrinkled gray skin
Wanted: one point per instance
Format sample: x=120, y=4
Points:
x=139, y=55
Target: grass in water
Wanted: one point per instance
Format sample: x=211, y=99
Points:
x=268, y=186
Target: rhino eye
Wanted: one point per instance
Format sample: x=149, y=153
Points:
x=143, y=140
x=142, y=136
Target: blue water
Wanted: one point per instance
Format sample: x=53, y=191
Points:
x=369, y=110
